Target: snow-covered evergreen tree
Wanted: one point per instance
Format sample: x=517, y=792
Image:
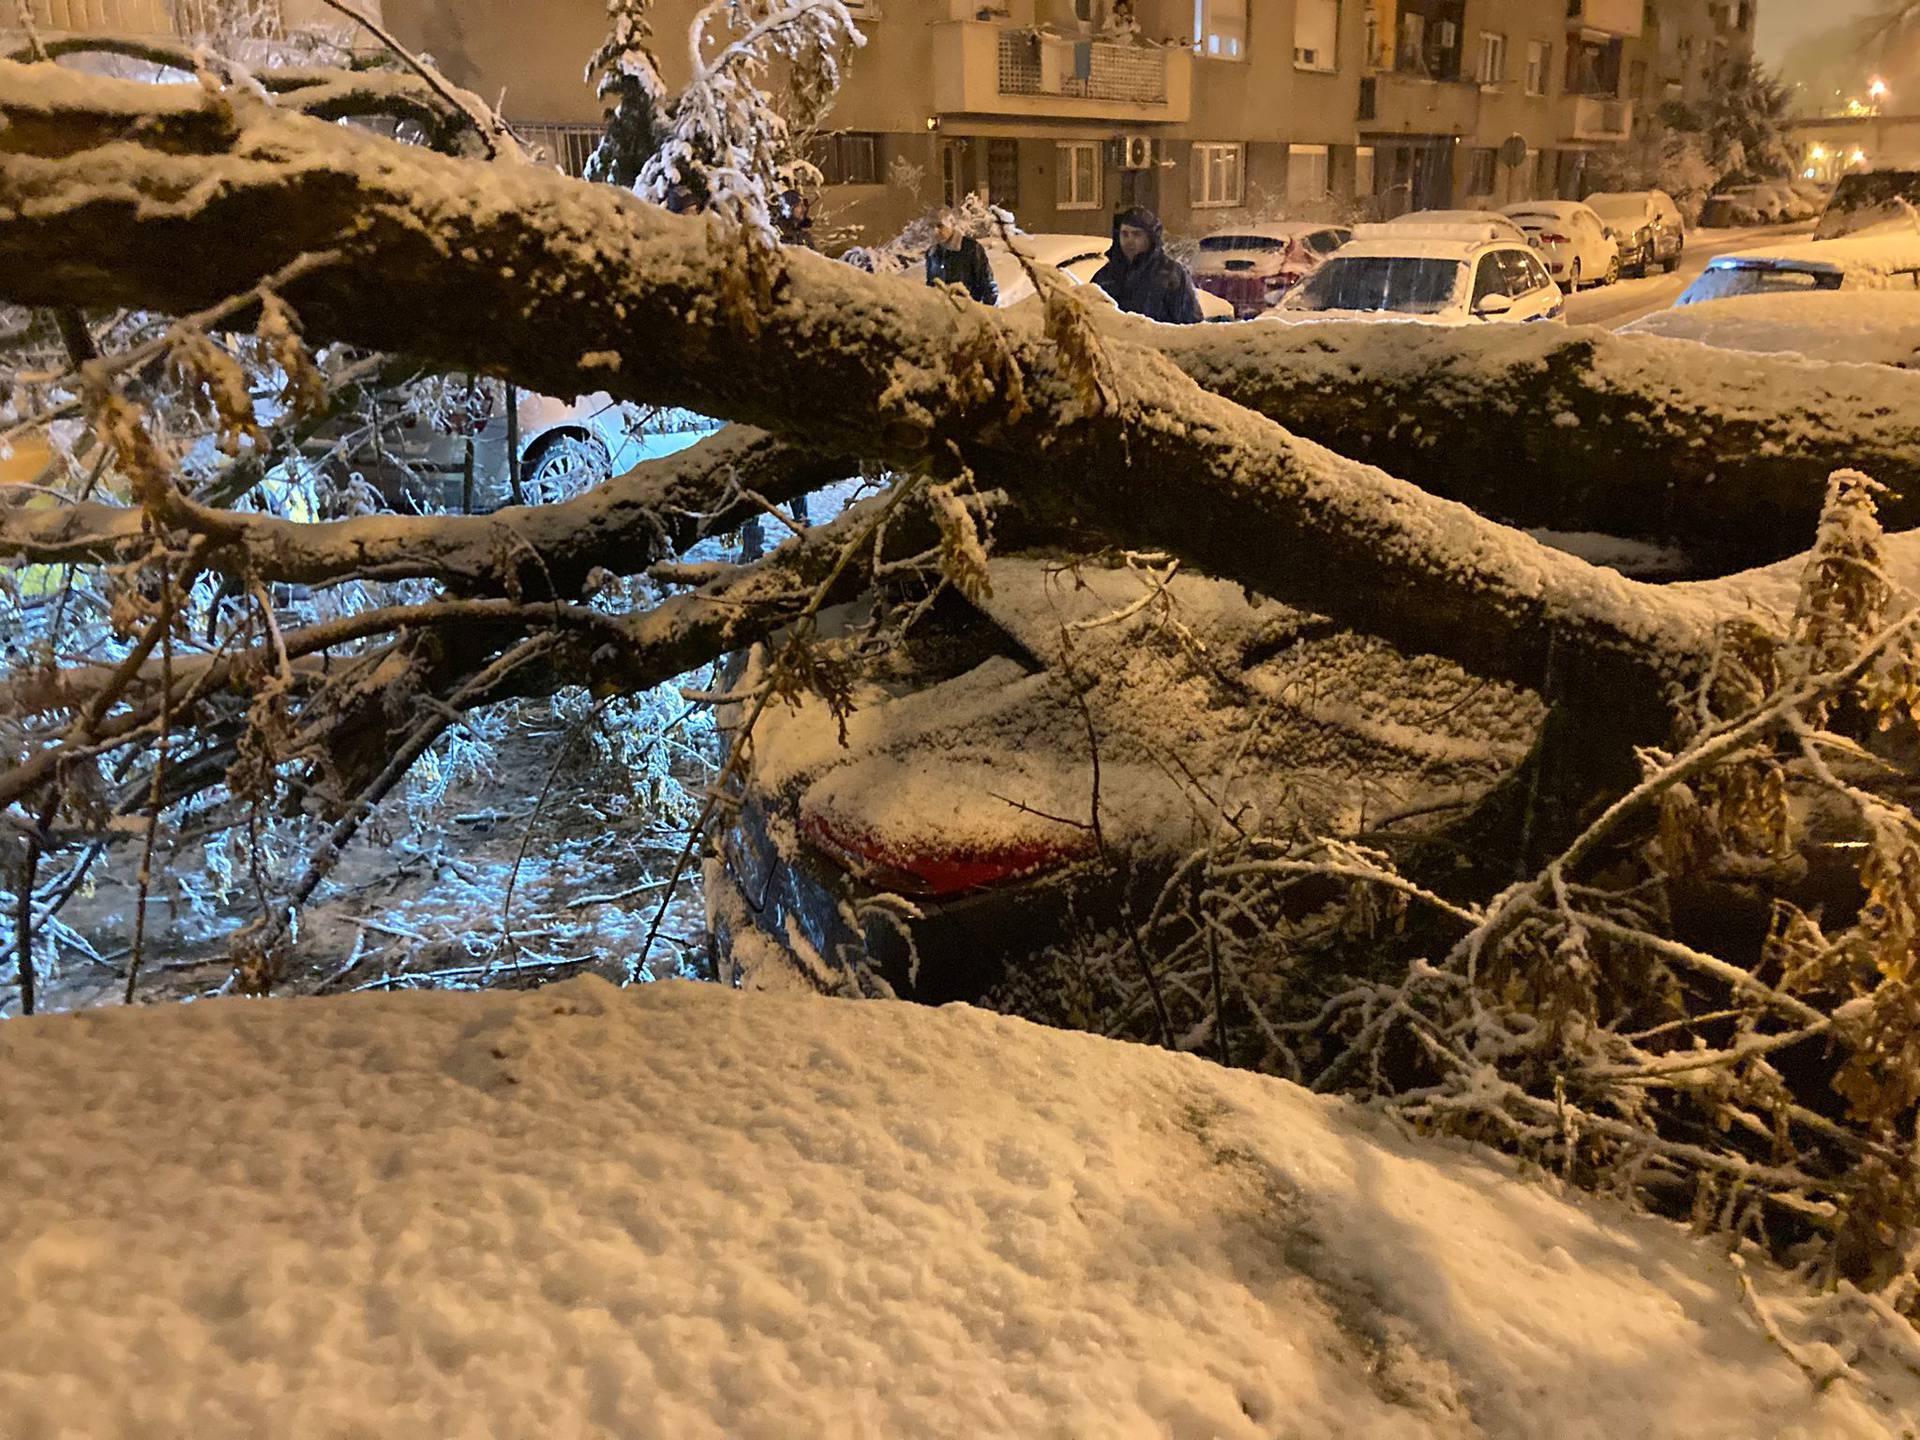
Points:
x=628, y=83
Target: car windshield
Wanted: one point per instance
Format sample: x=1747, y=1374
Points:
x=1379, y=282
x=1242, y=242
x=1724, y=281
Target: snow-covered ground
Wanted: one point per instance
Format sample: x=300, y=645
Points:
x=1615, y=305
x=681, y=1211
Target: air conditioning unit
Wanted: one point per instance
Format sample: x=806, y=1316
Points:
x=1136, y=152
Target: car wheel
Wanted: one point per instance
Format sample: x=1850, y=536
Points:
x=1642, y=262
x=1612, y=277
x=561, y=466
x=1673, y=264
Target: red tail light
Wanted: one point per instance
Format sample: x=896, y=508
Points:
x=1556, y=239
x=951, y=870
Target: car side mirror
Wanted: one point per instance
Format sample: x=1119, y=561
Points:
x=1488, y=306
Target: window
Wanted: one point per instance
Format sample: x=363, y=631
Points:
x=1220, y=29
x=1539, y=65
x=1306, y=174
x=1480, y=171
x=1316, y=34
x=1493, y=59
x=1219, y=176
x=1003, y=173
x=849, y=158
x=1363, y=172
x=1078, y=187
x=1490, y=278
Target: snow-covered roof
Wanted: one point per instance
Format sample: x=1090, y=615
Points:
x=1560, y=209
x=1058, y=250
x=1270, y=230
x=1870, y=326
x=686, y=1211
x=1853, y=255
x=1451, y=219
x=1441, y=242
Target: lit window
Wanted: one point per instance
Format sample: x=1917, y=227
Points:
x=1078, y=187
x=1539, y=66
x=1219, y=176
x=1306, y=174
x=1220, y=28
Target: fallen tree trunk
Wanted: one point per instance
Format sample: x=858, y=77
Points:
x=1723, y=454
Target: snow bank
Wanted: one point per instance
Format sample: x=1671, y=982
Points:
x=681, y=1211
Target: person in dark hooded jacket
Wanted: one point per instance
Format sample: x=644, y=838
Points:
x=1142, y=277
x=958, y=259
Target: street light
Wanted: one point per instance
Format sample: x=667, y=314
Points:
x=1876, y=90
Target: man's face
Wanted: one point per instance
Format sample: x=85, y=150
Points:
x=1134, y=241
x=949, y=230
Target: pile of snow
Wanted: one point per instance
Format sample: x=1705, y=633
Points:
x=1861, y=326
x=680, y=1211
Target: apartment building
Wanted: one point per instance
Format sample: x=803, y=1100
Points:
x=1208, y=111
x=160, y=17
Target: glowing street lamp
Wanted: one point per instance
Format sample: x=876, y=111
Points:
x=1876, y=90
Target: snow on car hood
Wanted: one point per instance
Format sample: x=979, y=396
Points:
x=1323, y=730
x=685, y=1211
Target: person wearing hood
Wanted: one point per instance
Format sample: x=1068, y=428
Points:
x=1142, y=277
x=958, y=259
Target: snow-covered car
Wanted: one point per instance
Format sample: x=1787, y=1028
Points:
x=1858, y=262
x=1647, y=227
x=1742, y=205
x=1575, y=243
x=1871, y=202
x=1442, y=274
x=1252, y=267
x=1875, y=327
x=963, y=783
x=1428, y=219
x=1079, y=258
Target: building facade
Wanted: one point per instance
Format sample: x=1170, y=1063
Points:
x=1210, y=112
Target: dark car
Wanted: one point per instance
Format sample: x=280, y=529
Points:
x=1038, y=763
x=1866, y=202
x=1647, y=225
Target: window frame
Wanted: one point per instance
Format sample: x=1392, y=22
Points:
x=1325, y=155
x=1211, y=40
x=1201, y=158
x=1496, y=50
x=1537, y=80
x=835, y=149
x=1331, y=66
x=1065, y=188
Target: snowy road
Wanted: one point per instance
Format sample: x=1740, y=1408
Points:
x=1615, y=305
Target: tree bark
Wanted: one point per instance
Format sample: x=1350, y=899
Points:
x=568, y=287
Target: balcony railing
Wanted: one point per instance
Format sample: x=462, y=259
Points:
x=118, y=17
x=1597, y=117
x=1393, y=101
x=981, y=68
x=1033, y=64
x=565, y=144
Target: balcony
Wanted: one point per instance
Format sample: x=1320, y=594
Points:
x=1398, y=103
x=115, y=17
x=1599, y=118
x=985, y=69
x=1620, y=18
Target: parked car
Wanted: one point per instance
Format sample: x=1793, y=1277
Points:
x=1858, y=262
x=1079, y=258
x=1252, y=267
x=1870, y=327
x=1443, y=274
x=1424, y=219
x=1746, y=205
x=1647, y=226
x=1576, y=244
x=1871, y=201
x=947, y=834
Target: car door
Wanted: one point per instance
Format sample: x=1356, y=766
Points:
x=1490, y=278
x=1535, y=296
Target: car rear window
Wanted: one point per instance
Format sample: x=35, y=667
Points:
x=1724, y=281
x=1404, y=285
x=1242, y=242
